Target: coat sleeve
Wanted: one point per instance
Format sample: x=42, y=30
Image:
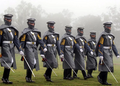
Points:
x=76, y=45
x=114, y=49
x=62, y=45
x=87, y=46
x=58, y=46
x=43, y=45
x=100, y=46
x=16, y=42
x=22, y=41
x=1, y=32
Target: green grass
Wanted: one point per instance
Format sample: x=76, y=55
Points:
x=18, y=77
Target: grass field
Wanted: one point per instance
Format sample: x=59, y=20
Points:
x=18, y=77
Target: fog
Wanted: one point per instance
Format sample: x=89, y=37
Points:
x=90, y=14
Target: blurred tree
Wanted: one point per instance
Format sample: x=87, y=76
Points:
x=90, y=23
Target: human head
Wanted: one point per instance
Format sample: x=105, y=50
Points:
x=51, y=26
x=31, y=23
x=8, y=19
x=93, y=35
x=68, y=29
x=80, y=31
x=107, y=26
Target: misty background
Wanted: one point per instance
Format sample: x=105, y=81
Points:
x=91, y=22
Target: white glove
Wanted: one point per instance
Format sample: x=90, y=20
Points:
x=43, y=56
x=61, y=56
x=101, y=58
x=81, y=50
x=91, y=53
x=45, y=49
x=21, y=53
x=118, y=56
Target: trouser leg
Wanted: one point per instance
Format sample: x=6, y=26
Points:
x=29, y=73
x=75, y=74
x=6, y=73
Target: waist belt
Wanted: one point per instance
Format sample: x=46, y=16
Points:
x=31, y=42
x=8, y=42
x=105, y=47
x=69, y=46
x=81, y=46
x=50, y=44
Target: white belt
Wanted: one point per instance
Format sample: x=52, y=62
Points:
x=81, y=46
x=105, y=47
x=68, y=46
x=7, y=41
x=31, y=42
x=50, y=44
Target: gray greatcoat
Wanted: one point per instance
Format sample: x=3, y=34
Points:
x=107, y=53
x=79, y=56
x=7, y=49
x=91, y=62
x=30, y=50
x=51, y=53
x=68, y=62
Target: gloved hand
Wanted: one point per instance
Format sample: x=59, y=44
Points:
x=81, y=50
x=91, y=53
x=101, y=58
x=0, y=55
x=43, y=58
x=45, y=49
x=21, y=53
x=22, y=58
x=62, y=57
x=118, y=56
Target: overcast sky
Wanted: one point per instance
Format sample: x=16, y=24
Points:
x=78, y=7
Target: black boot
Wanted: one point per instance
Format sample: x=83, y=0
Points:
x=28, y=77
x=84, y=74
x=105, y=79
x=89, y=75
x=47, y=74
x=5, y=78
x=68, y=74
x=75, y=74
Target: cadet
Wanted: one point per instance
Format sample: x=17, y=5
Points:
x=30, y=39
x=51, y=40
x=8, y=39
x=91, y=63
x=68, y=44
x=104, y=48
x=80, y=55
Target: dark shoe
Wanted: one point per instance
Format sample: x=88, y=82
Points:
x=89, y=76
x=99, y=79
x=69, y=78
x=29, y=80
x=75, y=77
x=49, y=80
x=6, y=81
x=106, y=83
x=85, y=78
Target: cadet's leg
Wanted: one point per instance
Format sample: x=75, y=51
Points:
x=5, y=78
x=89, y=75
x=84, y=74
x=47, y=74
x=75, y=74
x=29, y=76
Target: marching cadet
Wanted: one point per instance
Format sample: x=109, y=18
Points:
x=51, y=39
x=30, y=39
x=80, y=55
x=104, y=48
x=91, y=63
x=68, y=44
x=8, y=39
